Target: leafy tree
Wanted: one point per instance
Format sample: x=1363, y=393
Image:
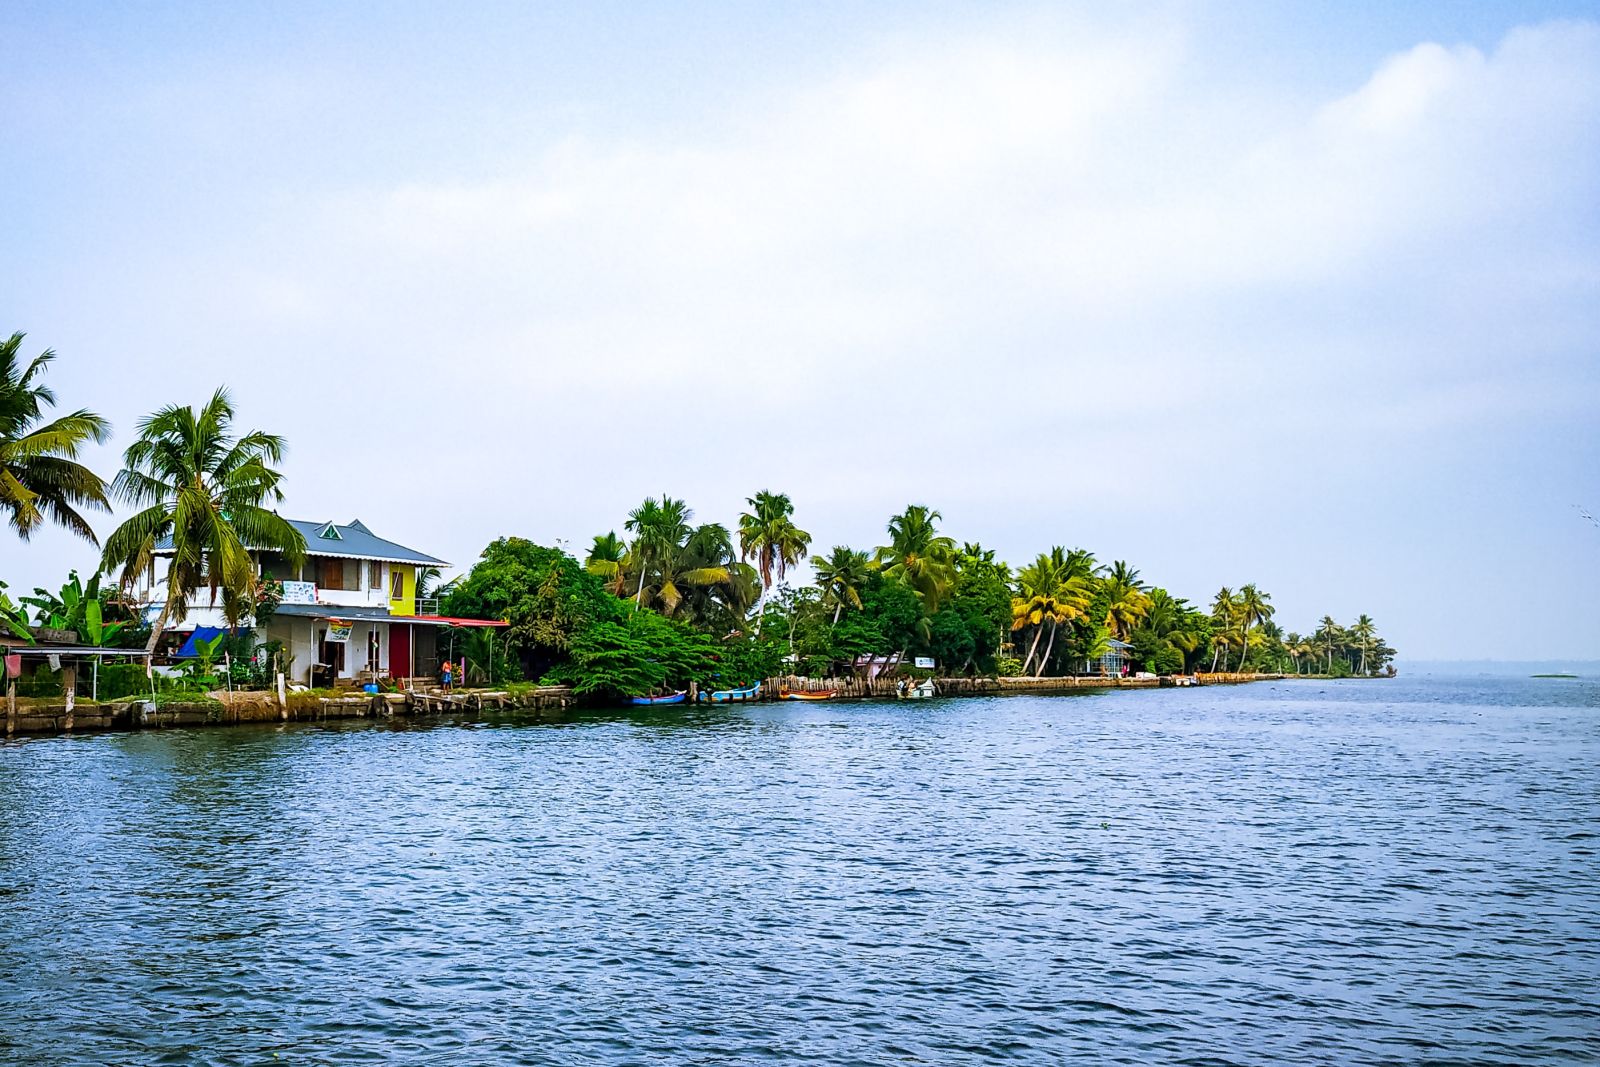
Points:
x=542, y=592
x=40, y=477
x=202, y=490
x=636, y=655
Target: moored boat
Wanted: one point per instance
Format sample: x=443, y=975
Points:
x=673, y=698
x=795, y=694
x=923, y=690
x=731, y=696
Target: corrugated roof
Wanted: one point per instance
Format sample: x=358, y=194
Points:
x=350, y=541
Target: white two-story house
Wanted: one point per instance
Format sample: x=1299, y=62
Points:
x=349, y=611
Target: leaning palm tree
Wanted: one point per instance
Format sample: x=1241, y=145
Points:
x=201, y=494
x=40, y=477
x=841, y=576
x=918, y=555
x=767, y=532
x=1049, y=592
x=1224, y=617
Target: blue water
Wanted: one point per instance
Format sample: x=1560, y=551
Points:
x=1362, y=872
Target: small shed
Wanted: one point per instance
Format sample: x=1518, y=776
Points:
x=1112, y=662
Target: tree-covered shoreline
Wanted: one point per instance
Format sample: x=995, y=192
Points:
x=666, y=603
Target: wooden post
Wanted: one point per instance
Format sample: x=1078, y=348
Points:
x=11, y=706
x=283, y=699
x=69, y=686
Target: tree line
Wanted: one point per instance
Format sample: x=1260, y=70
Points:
x=665, y=602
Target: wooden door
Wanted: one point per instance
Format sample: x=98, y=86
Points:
x=399, y=651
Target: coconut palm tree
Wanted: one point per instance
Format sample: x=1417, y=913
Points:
x=608, y=558
x=659, y=528
x=40, y=477
x=767, y=532
x=841, y=575
x=1364, y=633
x=1330, y=634
x=201, y=490
x=918, y=555
x=1225, y=618
x=1048, y=593
x=1128, y=603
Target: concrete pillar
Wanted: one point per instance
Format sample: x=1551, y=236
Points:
x=69, y=686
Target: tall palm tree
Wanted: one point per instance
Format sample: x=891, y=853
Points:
x=1364, y=633
x=659, y=527
x=1128, y=603
x=1225, y=617
x=39, y=474
x=841, y=574
x=607, y=561
x=767, y=532
x=918, y=555
x=202, y=489
x=1048, y=593
x=1252, y=608
x=1330, y=634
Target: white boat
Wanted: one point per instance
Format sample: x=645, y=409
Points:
x=923, y=690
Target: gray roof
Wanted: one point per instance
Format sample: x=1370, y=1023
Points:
x=354, y=541
x=330, y=611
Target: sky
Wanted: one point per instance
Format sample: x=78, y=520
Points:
x=1305, y=295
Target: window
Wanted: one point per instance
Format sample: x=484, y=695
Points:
x=374, y=575
x=397, y=585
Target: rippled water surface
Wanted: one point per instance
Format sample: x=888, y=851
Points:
x=1362, y=872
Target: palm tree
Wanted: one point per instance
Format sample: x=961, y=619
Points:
x=1225, y=615
x=768, y=533
x=1128, y=603
x=1048, y=593
x=39, y=474
x=918, y=555
x=1253, y=608
x=658, y=528
x=1329, y=633
x=608, y=558
x=1364, y=633
x=841, y=575
x=202, y=490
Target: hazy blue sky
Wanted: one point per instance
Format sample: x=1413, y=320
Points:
x=1301, y=295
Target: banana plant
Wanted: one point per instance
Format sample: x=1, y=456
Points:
x=12, y=618
x=77, y=607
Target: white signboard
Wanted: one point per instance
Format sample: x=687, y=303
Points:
x=299, y=593
x=924, y=663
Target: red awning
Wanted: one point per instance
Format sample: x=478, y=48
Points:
x=445, y=620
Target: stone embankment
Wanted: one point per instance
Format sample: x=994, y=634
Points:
x=227, y=709
x=881, y=688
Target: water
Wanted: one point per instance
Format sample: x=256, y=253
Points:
x=1361, y=872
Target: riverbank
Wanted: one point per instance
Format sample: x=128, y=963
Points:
x=34, y=717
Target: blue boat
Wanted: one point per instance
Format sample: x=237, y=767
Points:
x=675, y=698
x=731, y=696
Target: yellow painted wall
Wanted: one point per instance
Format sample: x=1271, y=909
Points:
x=407, y=602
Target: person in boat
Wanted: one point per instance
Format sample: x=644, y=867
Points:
x=900, y=688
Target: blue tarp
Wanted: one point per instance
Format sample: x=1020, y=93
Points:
x=201, y=633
